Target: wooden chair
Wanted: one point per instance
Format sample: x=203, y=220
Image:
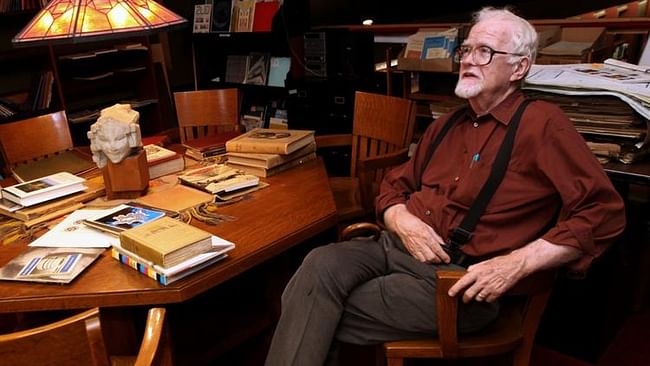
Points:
x=513, y=332
x=34, y=138
x=381, y=134
x=78, y=340
x=207, y=112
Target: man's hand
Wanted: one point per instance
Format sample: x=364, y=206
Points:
x=488, y=280
x=419, y=238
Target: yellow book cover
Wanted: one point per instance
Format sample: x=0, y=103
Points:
x=166, y=241
x=270, y=141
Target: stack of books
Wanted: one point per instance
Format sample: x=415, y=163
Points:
x=207, y=147
x=44, y=189
x=162, y=161
x=168, y=250
x=266, y=152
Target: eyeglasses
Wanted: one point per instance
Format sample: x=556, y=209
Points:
x=481, y=55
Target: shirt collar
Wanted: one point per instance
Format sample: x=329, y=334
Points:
x=502, y=112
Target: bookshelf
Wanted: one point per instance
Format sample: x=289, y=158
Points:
x=247, y=61
x=78, y=78
x=92, y=76
x=27, y=85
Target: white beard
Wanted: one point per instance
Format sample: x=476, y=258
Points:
x=468, y=88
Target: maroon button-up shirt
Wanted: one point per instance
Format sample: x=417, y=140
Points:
x=551, y=168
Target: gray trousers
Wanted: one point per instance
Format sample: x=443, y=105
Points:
x=360, y=292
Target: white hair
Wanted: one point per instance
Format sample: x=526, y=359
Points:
x=524, y=36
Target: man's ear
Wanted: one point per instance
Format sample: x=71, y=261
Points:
x=520, y=69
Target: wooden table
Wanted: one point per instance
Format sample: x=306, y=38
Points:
x=296, y=206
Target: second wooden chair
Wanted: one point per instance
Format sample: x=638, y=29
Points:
x=382, y=131
x=207, y=112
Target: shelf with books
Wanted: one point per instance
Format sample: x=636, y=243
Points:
x=27, y=82
x=256, y=63
x=96, y=75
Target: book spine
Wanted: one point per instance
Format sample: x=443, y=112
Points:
x=143, y=268
x=137, y=248
x=256, y=147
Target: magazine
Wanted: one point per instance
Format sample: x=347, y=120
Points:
x=55, y=265
x=123, y=217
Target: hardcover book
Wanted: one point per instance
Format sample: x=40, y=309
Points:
x=123, y=217
x=268, y=161
x=208, y=146
x=166, y=242
x=165, y=276
x=44, y=189
x=265, y=140
x=55, y=265
x=268, y=172
x=162, y=161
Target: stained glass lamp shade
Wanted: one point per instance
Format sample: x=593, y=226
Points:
x=70, y=21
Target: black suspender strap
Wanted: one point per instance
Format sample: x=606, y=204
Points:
x=463, y=233
x=443, y=131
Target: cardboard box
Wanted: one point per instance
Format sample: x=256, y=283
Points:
x=576, y=45
x=547, y=34
x=415, y=61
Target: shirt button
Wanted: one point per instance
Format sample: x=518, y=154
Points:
x=456, y=179
x=427, y=212
x=475, y=124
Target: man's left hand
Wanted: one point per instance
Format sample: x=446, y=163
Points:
x=488, y=280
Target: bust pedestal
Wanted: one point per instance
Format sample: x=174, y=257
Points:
x=128, y=178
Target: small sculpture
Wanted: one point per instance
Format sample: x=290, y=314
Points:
x=115, y=135
x=116, y=145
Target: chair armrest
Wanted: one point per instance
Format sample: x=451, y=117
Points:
x=154, y=349
x=333, y=140
x=447, y=312
x=383, y=161
x=361, y=229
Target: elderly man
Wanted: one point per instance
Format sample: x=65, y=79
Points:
x=367, y=292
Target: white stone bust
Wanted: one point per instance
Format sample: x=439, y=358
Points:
x=115, y=134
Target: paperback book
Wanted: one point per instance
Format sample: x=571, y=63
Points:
x=165, y=276
x=44, y=189
x=218, y=179
x=123, y=217
x=54, y=265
